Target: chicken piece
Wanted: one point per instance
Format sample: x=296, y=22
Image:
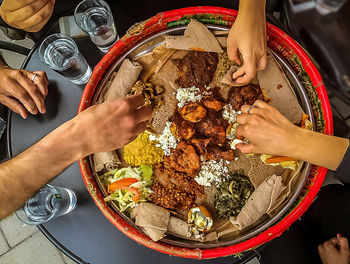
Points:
x=184, y=159
x=215, y=152
x=212, y=103
x=181, y=128
x=211, y=127
x=193, y=112
x=201, y=144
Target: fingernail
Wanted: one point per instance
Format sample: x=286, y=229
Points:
x=338, y=235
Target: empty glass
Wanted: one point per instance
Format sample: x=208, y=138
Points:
x=61, y=54
x=95, y=18
x=48, y=203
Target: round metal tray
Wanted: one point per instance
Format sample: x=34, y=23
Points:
x=265, y=222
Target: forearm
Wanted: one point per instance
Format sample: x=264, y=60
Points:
x=319, y=149
x=252, y=9
x=23, y=175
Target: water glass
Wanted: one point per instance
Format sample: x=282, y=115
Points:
x=61, y=53
x=95, y=18
x=325, y=7
x=48, y=203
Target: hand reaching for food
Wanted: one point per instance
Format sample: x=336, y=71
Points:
x=269, y=132
x=248, y=36
x=28, y=15
x=23, y=91
x=335, y=251
x=112, y=124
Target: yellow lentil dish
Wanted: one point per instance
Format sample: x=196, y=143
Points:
x=142, y=151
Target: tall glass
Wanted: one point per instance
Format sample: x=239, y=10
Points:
x=95, y=18
x=48, y=203
x=61, y=53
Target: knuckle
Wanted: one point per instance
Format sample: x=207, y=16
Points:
x=123, y=103
x=37, y=19
x=130, y=121
x=6, y=79
x=23, y=94
x=255, y=119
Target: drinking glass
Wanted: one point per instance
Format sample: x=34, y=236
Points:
x=48, y=203
x=325, y=7
x=61, y=54
x=95, y=18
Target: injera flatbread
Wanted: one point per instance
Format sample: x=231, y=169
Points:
x=277, y=89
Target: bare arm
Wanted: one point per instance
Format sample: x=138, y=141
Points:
x=100, y=128
x=248, y=36
x=269, y=132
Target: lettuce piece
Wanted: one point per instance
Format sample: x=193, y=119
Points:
x=127, y=173
x=146, y=172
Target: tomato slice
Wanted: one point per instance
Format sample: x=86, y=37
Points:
x=118, y=185
x=135, y=191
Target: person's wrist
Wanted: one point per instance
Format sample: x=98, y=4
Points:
x=80, y=144
x=252, y=10
x=295, y=142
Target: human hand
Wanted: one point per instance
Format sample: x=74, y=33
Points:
x=335, y=251
x=29, y=15
x=19, y=93
x=266, y=130
x=112, y=124
x=248, y=36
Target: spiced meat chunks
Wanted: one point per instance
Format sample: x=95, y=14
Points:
x=248, y=94
x=196, y=69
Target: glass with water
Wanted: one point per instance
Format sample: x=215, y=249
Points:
x=48, y=203
x=61, y=54
x=325, y=7
x=95, y=18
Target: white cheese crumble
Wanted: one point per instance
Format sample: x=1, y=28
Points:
x=211, y=171
x=185, y=95
x=166, y=140
x=235, y=142
x=229, y=114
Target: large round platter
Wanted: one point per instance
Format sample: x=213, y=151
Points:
x=253, y=236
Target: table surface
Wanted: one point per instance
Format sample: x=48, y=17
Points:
x=84, y=234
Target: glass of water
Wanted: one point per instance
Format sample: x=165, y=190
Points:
x=48, y=203
x=325, y=7
x=61, y=54
x=95, y=18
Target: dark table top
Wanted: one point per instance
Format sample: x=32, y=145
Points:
x=84, y=234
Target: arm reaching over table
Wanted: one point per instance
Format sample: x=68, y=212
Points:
x=103, y=127
x=269, y=132
x=248, y=36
